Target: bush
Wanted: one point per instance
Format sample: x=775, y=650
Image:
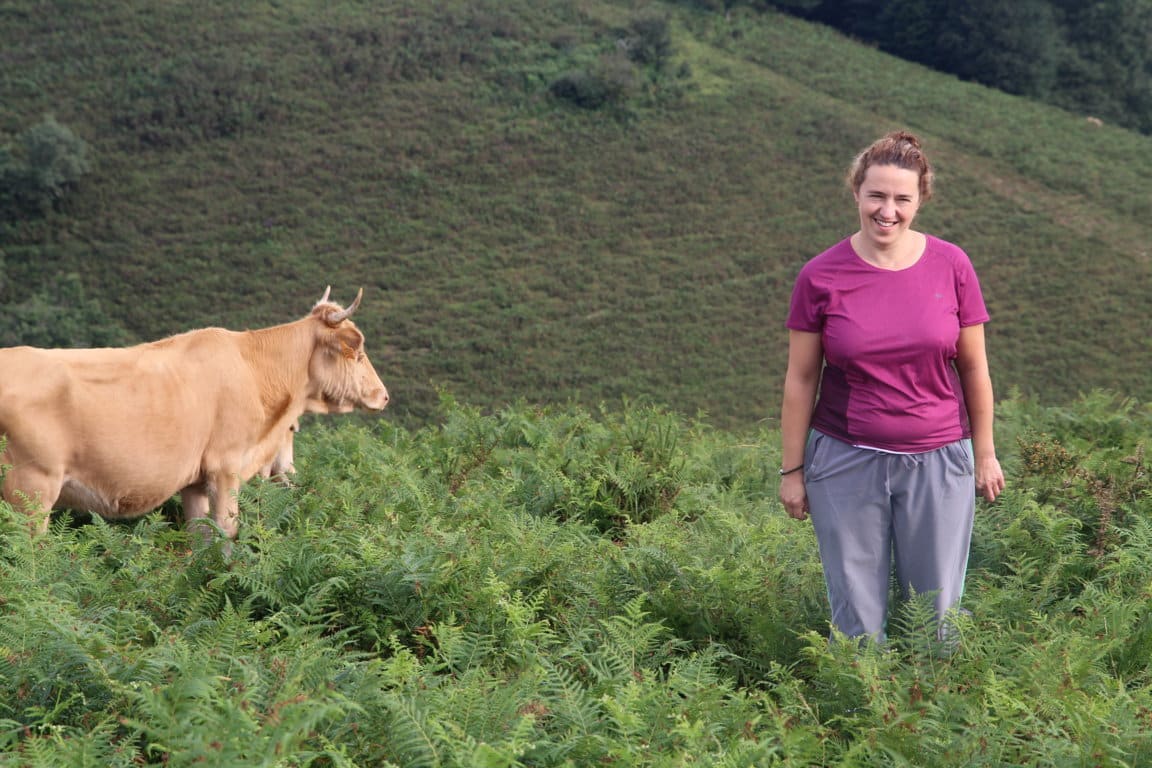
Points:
x=611, y=80
x=49, y=167
x=190, y=99
x=59, y=315
x=649, y=40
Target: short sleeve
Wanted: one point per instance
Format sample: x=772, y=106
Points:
x=969, y=297
x=806, y=311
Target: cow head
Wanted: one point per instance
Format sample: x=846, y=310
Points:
x=342, y=376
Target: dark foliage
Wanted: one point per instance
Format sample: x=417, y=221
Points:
x=1094, y=58
x=38, y=173
x=59, y=314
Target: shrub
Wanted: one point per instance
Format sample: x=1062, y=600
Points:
x=649, y=40
x=190, y=99
x=59, y=315
x=611, y=80
x=49, y=167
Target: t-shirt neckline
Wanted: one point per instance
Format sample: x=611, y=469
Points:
x=870, y=265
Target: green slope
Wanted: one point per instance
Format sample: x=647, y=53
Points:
x=515, y=246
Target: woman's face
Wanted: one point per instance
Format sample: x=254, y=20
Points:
x=888, y=200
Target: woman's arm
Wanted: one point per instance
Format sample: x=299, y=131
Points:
x=972, y=365
x=805, y=358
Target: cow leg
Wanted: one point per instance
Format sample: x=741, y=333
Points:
x=217, y=500
x=195, y=501
x=226, y=504
x=34, y=492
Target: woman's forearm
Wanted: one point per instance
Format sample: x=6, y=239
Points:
x=795, y=419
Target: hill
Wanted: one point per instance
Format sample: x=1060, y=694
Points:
x=515, y=244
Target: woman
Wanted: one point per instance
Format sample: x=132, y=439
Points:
x=888, y=327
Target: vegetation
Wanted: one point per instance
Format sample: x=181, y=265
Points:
x=50, y=165
x=548, y=200
x=1094, y=58
x=559, y=587
x=582, y=220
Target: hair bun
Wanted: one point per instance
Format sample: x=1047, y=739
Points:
x=899, y=148
x=905, y=136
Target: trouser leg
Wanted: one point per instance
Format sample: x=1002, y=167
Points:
x=933, y=503
x=849, y=506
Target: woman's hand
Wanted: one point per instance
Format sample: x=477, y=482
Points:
x=989, y=478
x=793, y=495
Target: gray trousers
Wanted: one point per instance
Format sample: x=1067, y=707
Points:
x=870, y=508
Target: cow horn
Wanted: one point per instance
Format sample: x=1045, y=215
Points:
x=335, y=318
x=324, y=298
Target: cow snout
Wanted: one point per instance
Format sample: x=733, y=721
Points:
x=378, y=400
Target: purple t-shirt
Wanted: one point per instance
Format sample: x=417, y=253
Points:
x=889, y=341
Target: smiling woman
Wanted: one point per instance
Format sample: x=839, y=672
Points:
x=888, y=201
x=888, y=327
x=890, y=180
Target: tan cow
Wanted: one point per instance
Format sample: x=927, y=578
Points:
x=119, y=431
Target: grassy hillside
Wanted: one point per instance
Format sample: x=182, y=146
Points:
x=514, y=245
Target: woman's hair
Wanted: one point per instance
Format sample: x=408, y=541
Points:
x=898, y=148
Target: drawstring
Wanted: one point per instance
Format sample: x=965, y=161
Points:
x=908, y=462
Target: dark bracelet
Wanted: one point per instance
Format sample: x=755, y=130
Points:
x=790, y=471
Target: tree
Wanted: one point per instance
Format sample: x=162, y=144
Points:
x=1013, y=46
x=1108, y=69
x=1094, y=58
x=52, y=161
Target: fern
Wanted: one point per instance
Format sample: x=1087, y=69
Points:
x=101, y=746
x=457, y=650
x=245, y=713
x=575, y=714
x=413, y=735
x=447, y=598
x=633, y=644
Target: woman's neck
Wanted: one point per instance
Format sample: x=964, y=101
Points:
x=899, y=254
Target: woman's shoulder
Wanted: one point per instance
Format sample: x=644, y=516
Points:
x=942, y=247
x=949, y=255
x=832, y=258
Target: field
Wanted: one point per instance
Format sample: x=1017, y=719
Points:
x=560, y=587
x=577, y=224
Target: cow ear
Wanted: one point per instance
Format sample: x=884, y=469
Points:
x=350, y=341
